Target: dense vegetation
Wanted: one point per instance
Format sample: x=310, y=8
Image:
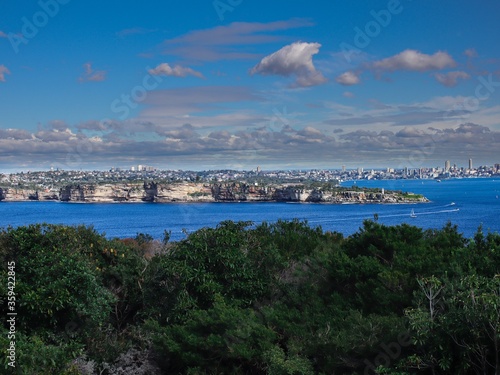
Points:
x=280, y=298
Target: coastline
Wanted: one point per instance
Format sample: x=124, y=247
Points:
x=217, y=202
x=190, y=192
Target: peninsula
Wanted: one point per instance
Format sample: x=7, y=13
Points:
x=184, y=191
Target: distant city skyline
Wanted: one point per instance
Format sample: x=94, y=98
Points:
x=448, y=166
x=239, y=84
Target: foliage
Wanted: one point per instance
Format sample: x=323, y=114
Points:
x=273, y=298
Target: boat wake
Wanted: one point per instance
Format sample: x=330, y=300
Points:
x=421, y=213
x=365, y=216
x=438, y=212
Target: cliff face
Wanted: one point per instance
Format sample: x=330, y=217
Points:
x=199, y=192
x=18, y=195
x=147, y=192
x=107, y=193
x=240, y=192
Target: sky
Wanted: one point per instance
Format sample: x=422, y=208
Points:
x=236, y=84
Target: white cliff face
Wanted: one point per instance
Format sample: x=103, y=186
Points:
x=200, y=192
x=148, y=192
x=184, y=192
x=102, y=193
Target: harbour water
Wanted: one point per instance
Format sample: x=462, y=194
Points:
x=467, y=203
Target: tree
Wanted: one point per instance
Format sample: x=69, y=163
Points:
x=459, y=329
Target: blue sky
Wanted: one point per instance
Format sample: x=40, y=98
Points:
x=239, y=83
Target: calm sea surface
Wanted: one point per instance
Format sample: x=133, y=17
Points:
x=477, y=201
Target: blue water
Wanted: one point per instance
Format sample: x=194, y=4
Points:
x=477, y=200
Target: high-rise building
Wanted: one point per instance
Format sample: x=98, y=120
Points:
x=470, y=164
x=343, y=168
x=447, y=166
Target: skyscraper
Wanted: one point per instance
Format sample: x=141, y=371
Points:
x=470, y=164
x=447, y=166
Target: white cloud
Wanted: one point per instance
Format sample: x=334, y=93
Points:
x=91, y=75
x=348, y=78
x=3, y=72
x=177, y=71
x=348, y=94
x=413, y=60
x=294, y=59
x=445, y=103
x=470, y=52
x=229, y=42
x=450, y=79
x=189, y=145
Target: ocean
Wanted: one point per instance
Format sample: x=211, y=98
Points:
x=467, y=203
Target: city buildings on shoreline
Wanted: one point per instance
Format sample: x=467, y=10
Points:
x=52, y=178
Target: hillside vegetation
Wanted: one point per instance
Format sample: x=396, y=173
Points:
x=281, y=298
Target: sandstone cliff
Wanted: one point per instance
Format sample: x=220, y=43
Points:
x=203, y=192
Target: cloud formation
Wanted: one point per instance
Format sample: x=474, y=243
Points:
x=229, y=42
x=3, y=72
x=408, y=60
x=437, y=112
x=412, y=60
x=294, y=59
x=450, y=79
x=187, y=145
x=470, y=52
x=165, y=69
x=90, y=75
x=15, y=134
x=348, y=78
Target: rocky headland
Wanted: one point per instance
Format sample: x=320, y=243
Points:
x=207, y=192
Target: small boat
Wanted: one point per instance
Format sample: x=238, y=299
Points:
x=413, y=214
x=452, y=203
